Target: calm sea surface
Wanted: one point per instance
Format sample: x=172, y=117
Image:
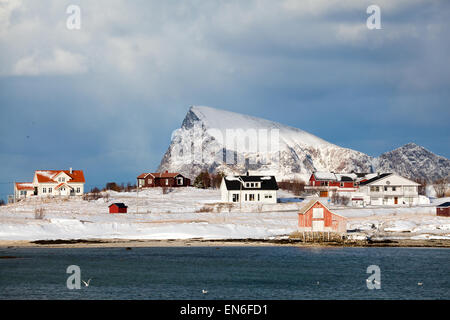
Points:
x=226, y=273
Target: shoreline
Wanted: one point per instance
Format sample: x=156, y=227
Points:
x=136, y=243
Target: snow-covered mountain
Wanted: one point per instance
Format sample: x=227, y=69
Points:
x=414, y=161
x=204, y=143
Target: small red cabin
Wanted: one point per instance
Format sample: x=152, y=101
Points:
x=443, y=209
x=118, y=208
x=316, y=217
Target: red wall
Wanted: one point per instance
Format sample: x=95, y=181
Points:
x=116, y=209
x=330, y=219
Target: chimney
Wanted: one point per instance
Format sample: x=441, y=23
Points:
x=70, y=170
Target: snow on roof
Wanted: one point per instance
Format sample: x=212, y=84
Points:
x=325, y=175
x=24, y=186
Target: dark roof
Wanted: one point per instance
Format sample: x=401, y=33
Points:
x=444, y=205
x=266, y=184
x=381, y=176
x=119, y=205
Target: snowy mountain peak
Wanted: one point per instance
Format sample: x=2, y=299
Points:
x=202, y=143
x=414, y=161
x=286, y=152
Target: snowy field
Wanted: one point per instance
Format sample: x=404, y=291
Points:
x=188, y=213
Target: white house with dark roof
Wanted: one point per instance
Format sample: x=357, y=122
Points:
x=249, y=189
x=391, y=189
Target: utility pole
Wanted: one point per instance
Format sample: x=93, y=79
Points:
x=14, y=191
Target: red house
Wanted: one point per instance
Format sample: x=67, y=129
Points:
x=166, y=179
x=443, y=209
x=327, y=182
x=118, y=208
x=316, y=217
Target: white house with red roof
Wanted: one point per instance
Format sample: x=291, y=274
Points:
x=52, y=183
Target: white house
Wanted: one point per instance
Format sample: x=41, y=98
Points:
x=23, y=189
x=249, y=189
x=390, y=189
x=52, y=183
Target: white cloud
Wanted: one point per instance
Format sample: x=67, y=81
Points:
x=6, y=9
x=61, y=62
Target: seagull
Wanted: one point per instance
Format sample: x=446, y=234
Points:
x=86, y=283
x=419, y=283
x=318, y=282
x=204, y=291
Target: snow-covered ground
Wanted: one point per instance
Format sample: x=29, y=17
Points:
x=183, y=214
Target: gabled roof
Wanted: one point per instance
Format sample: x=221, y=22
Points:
x=159, y=175
x=331, y=176
x=44, y=176
x=62, y=184
x=24, y=186
x=444, y=205
x=378, y=177
x=267, y=182
x=309, y=204
x=118, y=204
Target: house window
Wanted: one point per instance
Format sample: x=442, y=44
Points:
x=49, y=190
x=251, y=197
x=78, y=189
x=235, y=197
x=247, y=185
x=252, y=185
x=317, y=213
x=324, y=183
x=258, y=197
x=179, y=181
x=167, y=182
x=385, y=188
x=394, y=188
x=22, y=193
x=44, y=190
x=342, y=184
x=374, y=189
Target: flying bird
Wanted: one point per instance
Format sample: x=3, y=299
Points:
x=204, y=291
x=87, y=283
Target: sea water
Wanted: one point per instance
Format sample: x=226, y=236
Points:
x=226, y=273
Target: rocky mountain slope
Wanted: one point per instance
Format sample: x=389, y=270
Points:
x=218, y=140
x=414, y=161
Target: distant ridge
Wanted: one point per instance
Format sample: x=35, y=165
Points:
x=300, y=153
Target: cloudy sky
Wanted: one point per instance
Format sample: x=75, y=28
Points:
x=105, y=98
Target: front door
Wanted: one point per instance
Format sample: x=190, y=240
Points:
x=396, y=200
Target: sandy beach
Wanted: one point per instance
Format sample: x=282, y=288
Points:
x=126, y=243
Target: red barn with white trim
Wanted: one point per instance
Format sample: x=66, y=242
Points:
x=316, y=217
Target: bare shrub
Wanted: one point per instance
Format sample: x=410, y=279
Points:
x=336, y=198
x=296, y=186
x=39, y=213
x=205, y=209
x=440, y=186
